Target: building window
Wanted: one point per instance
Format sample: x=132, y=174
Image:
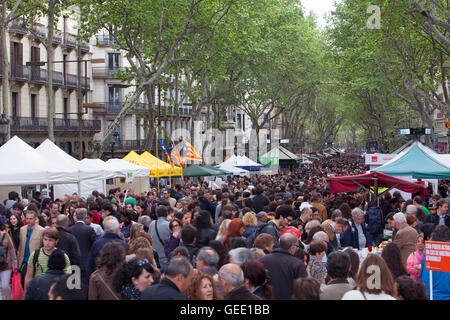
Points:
x=113, y=61
x=66, y=108
x=33, y=105
x=238, y=121
x=15, y=104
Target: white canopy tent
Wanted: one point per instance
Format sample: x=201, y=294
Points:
x=242, y=162
x=235, y=170
x=53, y=154
x=20, y=164
x=122, y=168
x=88, y=176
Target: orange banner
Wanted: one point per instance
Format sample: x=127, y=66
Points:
x=437, y=256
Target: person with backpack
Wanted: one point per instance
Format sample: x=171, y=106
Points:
x=38, y=262
x=284, y=215
x=39, y=286
x=8, y=262
x=374, y=220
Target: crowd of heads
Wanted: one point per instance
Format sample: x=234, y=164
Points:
x=216, y=242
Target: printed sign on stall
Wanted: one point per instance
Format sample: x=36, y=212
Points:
x=437, y=256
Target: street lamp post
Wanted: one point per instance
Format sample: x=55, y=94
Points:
x=113, y=143
x=3, y=127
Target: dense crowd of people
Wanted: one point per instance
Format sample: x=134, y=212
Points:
x=283, y=236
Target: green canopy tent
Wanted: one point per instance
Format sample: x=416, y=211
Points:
x=220, y=172
x=203, y=171
x=418, y=162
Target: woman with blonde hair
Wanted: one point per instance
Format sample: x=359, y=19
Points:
x=327, y=228
x=135, y=230
x=142, y=242
x=202, y=287
x=310, y=225
x=368, y=287
x=223, y=229
x=251, y=224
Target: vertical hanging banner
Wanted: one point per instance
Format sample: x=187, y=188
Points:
x=167, y=154
x=174, y=152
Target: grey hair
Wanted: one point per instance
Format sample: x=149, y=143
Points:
x=400, y=217
x=357, y=212
x=234, y=280
x=320, y=235
x=111, y=225
x=144, y=219
x=410, y=208
x=80, y=213
x=241, y=255
x=209, y=256
x=288, y=240
x=178, y=265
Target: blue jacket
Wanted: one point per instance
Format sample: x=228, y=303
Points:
x=249, y=230
x=98, y=246
x=441, y=283
x=207, y=205
x=351, y=236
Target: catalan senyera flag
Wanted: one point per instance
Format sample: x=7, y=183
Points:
x=447, y=123
x=174, y=152
x=191, y=154
x=167, y=154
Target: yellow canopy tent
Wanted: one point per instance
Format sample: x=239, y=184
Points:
x=133, y=157
x=175, y=171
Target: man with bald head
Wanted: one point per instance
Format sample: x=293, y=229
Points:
x=67, y=241
x=231, y=279
x=283, y=267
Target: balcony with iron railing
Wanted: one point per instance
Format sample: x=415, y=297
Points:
x=140, y=107
x=28, y=124
x=19, y=72
x=16, y=27
x=41, y=31
x=105, y=72
x=71, y=80
x=84, y=47
x=69, y=41
x=57, y=37
x=38, y=75
x=57, y=78
x=104, y=40
x=128, y=145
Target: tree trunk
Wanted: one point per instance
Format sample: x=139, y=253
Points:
x=5, y=76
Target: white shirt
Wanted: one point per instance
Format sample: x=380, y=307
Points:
x=357, y=295
x=361, y=236
x=98, y=229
